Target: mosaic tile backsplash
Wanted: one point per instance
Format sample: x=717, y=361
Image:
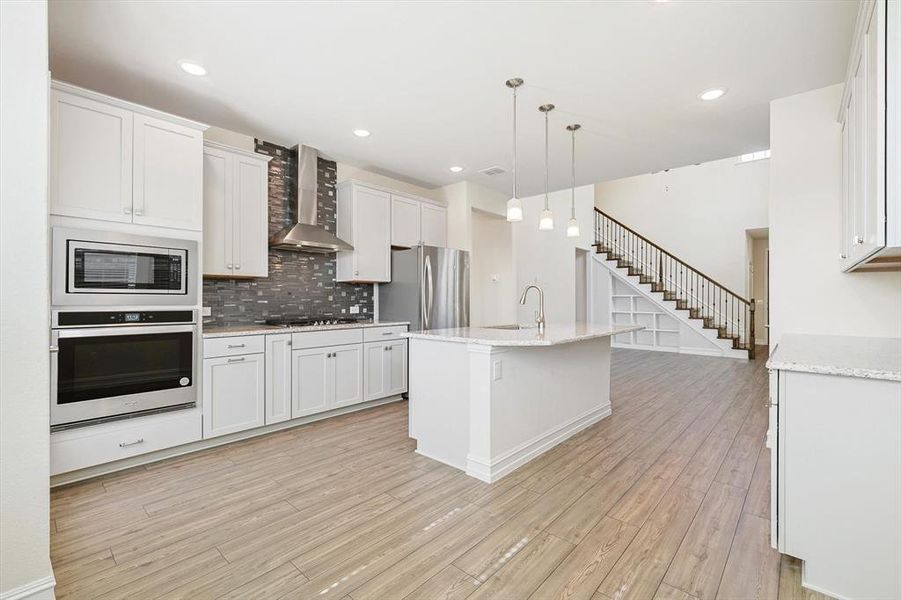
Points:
x=299, y=283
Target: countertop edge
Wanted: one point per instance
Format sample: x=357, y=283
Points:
x=779, y=365
x=237, y=331
x=525, y=343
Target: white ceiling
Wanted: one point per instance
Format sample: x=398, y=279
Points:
x=428, y=78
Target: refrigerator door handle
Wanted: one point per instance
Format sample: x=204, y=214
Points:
x=428, y=270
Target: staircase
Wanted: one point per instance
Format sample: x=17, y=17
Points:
x=691, y=292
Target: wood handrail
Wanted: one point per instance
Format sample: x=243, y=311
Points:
x=671, y=255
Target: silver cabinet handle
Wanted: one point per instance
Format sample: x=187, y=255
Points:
x=126, y=210
x=234, y=360
x=228, y=266
x=236, y=345
x=843, y=256
x=54, y=348
x=858, y=240
x=237, y=266
x=139, y=213
x=385, y=349
x=356, y=272
x=387, y=333
x=132, y=443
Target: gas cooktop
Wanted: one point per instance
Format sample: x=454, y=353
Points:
x=308, y=321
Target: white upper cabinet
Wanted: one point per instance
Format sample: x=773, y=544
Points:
x=168, y=174
x=235, y=212
x=415, y=221
x=90, y=158
x=112, y=160
x=434, y=225
x=869, y=116
x=364, y=221
x=404, y=221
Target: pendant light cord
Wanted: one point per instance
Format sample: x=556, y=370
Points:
x=573, y=214
x=514, y=143
x=546, y=154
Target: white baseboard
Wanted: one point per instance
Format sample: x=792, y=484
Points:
x=494, y=470
x=39, y=589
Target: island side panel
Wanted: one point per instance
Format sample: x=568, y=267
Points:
x=439, y=400
x=528, y=400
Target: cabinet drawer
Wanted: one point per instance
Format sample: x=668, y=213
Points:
x=316, y=339
x=99, y=444
x=232, y=346
x=382, y=334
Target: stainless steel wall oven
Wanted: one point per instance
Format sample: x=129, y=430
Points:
x=108, y=364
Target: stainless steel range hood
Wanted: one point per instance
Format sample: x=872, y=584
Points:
x=306, y=235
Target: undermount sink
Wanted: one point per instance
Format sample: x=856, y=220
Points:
x=512, y=327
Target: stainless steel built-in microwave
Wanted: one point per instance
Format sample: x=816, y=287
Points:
x=92, y=268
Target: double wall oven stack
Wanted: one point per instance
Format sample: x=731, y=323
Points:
x=124, y=334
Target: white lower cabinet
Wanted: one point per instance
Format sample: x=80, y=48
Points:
x=326, y=378
x=234, y=390
x=278, y=378
x=385, y=367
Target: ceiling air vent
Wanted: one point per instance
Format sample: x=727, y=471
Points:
x=490, y=171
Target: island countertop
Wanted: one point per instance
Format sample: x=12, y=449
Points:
x=866, y=357
x=525, y=337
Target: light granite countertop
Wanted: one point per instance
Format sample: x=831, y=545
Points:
x=258, y=329
x=869, y=358
x=528, y=336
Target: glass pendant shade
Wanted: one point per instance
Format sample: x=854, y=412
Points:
x=572, y=228
x=546, y=223
x=514, y=210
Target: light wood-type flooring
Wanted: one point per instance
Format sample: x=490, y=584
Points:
x=668, y=498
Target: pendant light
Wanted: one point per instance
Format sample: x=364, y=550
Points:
x=572, y=227
x=514, y=204
x=546, y=223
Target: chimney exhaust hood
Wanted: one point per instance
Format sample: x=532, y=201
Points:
x=306, y=235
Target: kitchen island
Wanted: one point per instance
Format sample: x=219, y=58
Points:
x=489, y=399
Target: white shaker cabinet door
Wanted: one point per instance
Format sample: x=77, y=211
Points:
x=396, y=368
x=312, y=381
x=278, y=378
x=434, y=225
x=218, y=202
x=233, y=394
x=347, y=363
x=168, y=174
x=251, y=227
x=90, y=158
x=375, y=371
x=404, y=221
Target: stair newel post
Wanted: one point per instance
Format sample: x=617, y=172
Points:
x=752, y=307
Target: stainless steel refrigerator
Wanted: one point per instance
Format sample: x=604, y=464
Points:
x=429, y=288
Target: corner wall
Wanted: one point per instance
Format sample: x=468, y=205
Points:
x=808, y=291
x=24, y=304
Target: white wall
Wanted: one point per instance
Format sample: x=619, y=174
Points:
x=699, y=213
x=24, y=298
x=492, y=277
x=230, y=138
x=808, y=291
x=549, y=257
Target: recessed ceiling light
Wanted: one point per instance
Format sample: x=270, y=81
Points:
x=192, y=68
x=712, y=94
x=456, y=169
x=362, y=132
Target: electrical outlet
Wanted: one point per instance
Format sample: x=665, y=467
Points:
x=355, y=309
x=206, y=311
x=498, y=370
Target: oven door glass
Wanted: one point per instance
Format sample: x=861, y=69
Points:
x=105, y=366
x=113, y=268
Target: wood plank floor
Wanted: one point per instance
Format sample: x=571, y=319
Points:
x=668, y=498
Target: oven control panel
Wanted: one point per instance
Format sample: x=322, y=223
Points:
x=73, y=318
